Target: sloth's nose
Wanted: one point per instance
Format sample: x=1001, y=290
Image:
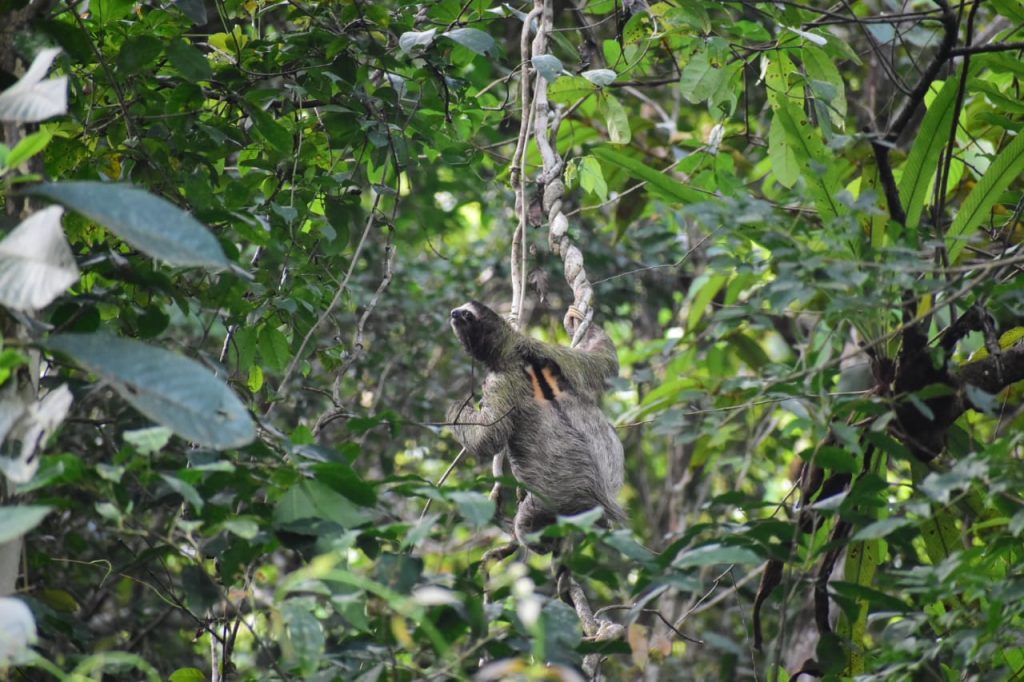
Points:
x=458, y=313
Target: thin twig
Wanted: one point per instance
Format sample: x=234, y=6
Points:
x=282, y=388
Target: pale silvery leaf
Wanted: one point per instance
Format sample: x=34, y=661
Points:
x=548, y=66
x=416, y=40
x=36, y=264
x=36, y=424
x=715, y=138
x=32, y=99
x=11, y=409
x=432, y=595
x=600, y=77
x=813, y=37
x=17, y=631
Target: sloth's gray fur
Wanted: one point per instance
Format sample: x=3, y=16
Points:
x=561, y=446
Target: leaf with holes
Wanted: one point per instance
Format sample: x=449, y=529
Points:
x=568, y=89
x=616, y=119
x=700, y=79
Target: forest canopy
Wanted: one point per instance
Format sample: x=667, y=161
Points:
x=231, y=238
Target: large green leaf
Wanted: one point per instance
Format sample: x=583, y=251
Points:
x=862, y=560
x=658, y=182
x=169, y=388
x=817, y=165
x=785, y=165
x=924, y=153
x=1007, y=167
x=821, y=69
x=700, y=78
x=151, y=224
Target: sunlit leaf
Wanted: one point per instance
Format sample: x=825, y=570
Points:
x=658, y=182
x=1007, y=167
x=925, y=150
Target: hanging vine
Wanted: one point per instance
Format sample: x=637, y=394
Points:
x=539, y=116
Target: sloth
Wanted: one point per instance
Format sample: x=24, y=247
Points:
x=541, y=402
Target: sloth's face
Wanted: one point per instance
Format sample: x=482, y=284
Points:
x=480, y=329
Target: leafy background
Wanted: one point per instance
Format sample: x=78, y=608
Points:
x=223, y=395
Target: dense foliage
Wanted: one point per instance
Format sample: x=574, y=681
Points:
x=226, y=362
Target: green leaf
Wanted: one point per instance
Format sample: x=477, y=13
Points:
x=568, y=89
x=476, y=508
x=1007, y=167
x=255, y=380
x=168, y=388
x=861, y=562
x=880, y=529
x=151, y=224
x=29, y=146
x=716, y=554
x=274, y=348
x=703, y=289
x=18, y=520
x=837, y=459
x=187, y=675
x=188, y=61
x=105, y=11
x=200, y=591
x=343, y=479
x=616, y=120
x=186, y=490
x=817, y=166
x=311, y=500
x=924, y=154
x=592, y=178
x=657, y=181
x=475, y=39
x=137, y=52
x=784, y=163
x=939, y=531
x=245, y=528
x=821, y=68
x=270, y=131
x=699, y=79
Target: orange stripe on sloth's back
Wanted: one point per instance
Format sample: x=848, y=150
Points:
x=545, y=385
x=552, y=381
